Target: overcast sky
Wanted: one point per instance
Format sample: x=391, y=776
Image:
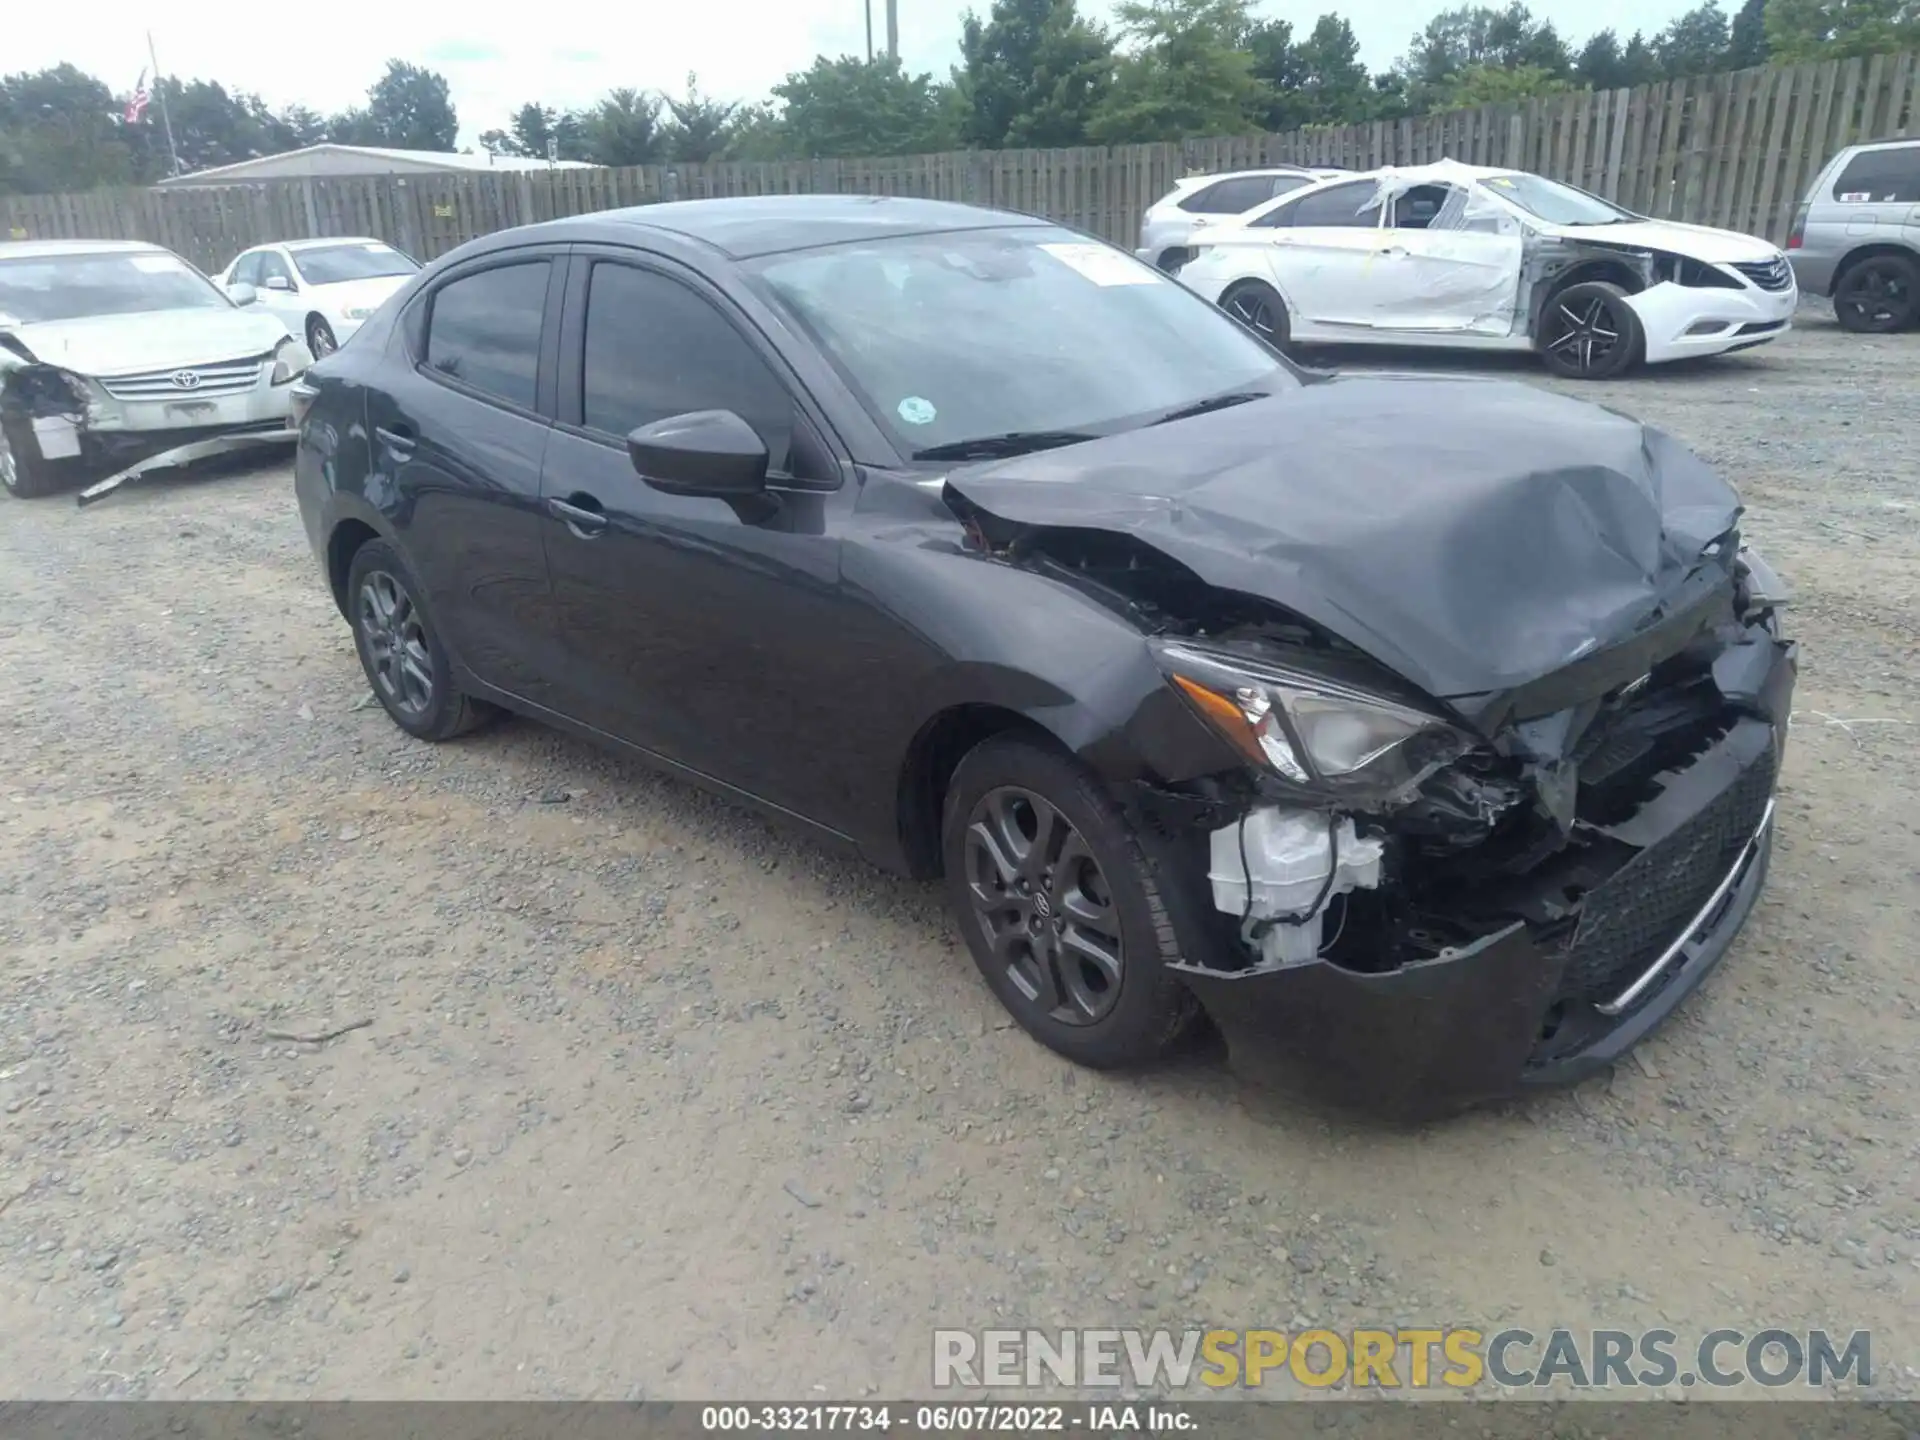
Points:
x=567, y=53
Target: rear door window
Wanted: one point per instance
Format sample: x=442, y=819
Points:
x=1883, y=176
x=1230, y=197
x=1343, y=206
x=483, y=331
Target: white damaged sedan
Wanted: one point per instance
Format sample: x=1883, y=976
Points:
x=118, y=356
x=1468, y=257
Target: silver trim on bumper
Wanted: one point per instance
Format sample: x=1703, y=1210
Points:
x=1684, y=940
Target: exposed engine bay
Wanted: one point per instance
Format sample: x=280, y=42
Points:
x=1543, y=820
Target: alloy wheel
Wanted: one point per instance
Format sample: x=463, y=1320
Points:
x=1584, y=333
x=1251, y=307
x=1044, y=905
x=1876, y=294
x=396, y=641
x=320, y=341
x=9, y=467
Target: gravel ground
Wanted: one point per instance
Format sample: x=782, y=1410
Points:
x=656, y=1099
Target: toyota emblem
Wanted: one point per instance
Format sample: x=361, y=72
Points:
x=186, y=379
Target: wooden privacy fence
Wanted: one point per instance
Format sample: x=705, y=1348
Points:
x=1735, y=150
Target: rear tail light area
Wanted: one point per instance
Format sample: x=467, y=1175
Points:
x=1797, y=236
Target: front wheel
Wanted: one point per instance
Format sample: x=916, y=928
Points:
x=1259, y=307
x=1589, y=332
x=405, y=662
x=24, y=473
x=1061, y=908
x=1878, y=295
x=320, y=339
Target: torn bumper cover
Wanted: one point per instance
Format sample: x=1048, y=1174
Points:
x=113, y=430
x=1544, y=999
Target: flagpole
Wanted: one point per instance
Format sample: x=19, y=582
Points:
x=159, y=84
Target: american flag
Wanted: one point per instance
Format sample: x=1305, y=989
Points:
x=138, y=101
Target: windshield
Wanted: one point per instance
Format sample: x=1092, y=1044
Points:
x=1555, y=203
x=365, y=260
x=71, y=287
x=972, y=334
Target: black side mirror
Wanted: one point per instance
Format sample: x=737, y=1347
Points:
x=704, y=452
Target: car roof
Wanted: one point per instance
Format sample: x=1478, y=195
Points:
x=319, y=242
x=1188, y=181
x=744, y=227
x=30, y=249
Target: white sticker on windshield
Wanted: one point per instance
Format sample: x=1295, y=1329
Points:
x=916, y=411
x=1103, y=266
x=1854, y=197
x=156, y=264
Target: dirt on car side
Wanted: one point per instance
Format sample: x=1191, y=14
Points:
x=332, y=1064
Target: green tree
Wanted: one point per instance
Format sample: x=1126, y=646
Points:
x=696, y=130
x=1474, y=35
x=1598, y=66
x=1839, y=29
x=1031, y=74
x=534, y=130
x=409, y=108
x=1638, y=61
x=624, y=129
x=1495, y=85
x=1747, y=36
x=1695, y=43
x=301, y=126
x=759, y=132
x=60, y=130
x=1186, y=73
x=862, y=107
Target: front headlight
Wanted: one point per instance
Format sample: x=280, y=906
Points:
x=290, y=361
x=1316, y=733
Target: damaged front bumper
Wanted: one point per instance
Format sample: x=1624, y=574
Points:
x=1680, y=321
x=109, y=431
x=1571, y=966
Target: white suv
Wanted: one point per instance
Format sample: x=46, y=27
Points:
x=1201, y=200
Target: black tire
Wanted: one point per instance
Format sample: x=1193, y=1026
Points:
x=1877, y=294
x=1588, y=332
x=1259, y=307
x=1096, y=875
x=24, y=473
x=403, y=658
x=320, y=339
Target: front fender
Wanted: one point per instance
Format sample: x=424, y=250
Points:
x=979, y=631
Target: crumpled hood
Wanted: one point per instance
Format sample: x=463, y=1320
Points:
x=1697, y=242
x=154, y=340
x=1471, y=535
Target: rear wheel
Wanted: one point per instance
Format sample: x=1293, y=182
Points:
x=1259, y=307
x=24, y=473
x=1589, y=332
x=405, y=662
x=1878, y=295
x=1061, y=908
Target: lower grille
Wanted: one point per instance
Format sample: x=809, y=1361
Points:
x=1638, y=912
x=186, y=382
x=1767, y=274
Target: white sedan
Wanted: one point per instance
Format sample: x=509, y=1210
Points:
x=1465, y=257
x=118, y=356
x=323, y=289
